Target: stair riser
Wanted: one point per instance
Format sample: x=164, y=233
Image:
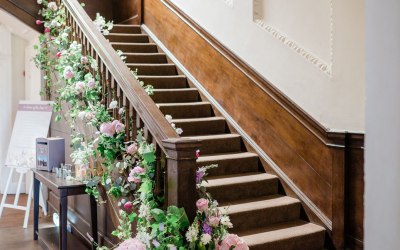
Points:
x=226, y=145
x=313, y=241
x=175, y=96
x=165, y=83
x=128, y=39
x=136, y=48
x=231, y=166
x=146, y=58
x=202, y=127
x=190, y=111
x=154, y=70
x=243, y=191
x=126, y=29
x=264, y=217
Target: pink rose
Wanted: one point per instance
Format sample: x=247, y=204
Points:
x=132, y=149
x=232, y=240
x=91, y=84
x=39, y=22
x=79, y=86
x=47, y=30
x=107, y=129
x=128, y=205
x=134, y=179
x=84, y=60
x=138, y=170
x=68, y=72
x=131, y=244
x=119, y=127
x=202, y=204
x=59, y=54
x=197, y=153
x=213, y=221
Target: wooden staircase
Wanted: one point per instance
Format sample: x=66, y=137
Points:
x=264, y=217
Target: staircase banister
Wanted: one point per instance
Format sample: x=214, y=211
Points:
x=151, y=116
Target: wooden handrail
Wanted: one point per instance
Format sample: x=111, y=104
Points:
x=149, y=113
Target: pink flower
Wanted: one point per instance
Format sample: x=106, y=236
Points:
x=131, y=244
x=107, y=129
x=68, y=72
x=39, y=22
x=132, y=149
x=90, y=115
x=91, y=84
x=52, y=38
x=197, y=153
x=59, y=54
x=119, y=127
x=128, y=205
x=134, y=179
x=213, y=221
x=232, y=240
x=202, y=204
x=79, y=86
x=84, y=60
x=138, y=170
x=47, y=30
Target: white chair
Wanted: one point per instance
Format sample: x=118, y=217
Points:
x=21, y=171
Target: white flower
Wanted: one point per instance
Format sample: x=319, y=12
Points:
x=81, y=115
x=121, y=111
x=113, y=105
x=93, y=64
x=39, y=1
x=179, y=131
x=226, y=221
x=52, y=6
x=144, y=238
x=169, y=118
x=205, y=239
x=144, y=211
x=191, y=234
x=106, y=32
x=171, y=247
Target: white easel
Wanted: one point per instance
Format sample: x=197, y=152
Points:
x=32, y=121
x=22, y=171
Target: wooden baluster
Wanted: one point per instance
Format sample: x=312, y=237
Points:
x=159, y=176
x=132, y=122
x=126, y=105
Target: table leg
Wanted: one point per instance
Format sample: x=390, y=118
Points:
x=93, y=215
x=63, y=221
x=36, y=185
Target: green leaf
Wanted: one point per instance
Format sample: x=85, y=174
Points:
x=132, y=217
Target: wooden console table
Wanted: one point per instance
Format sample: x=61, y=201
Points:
x=58, y=237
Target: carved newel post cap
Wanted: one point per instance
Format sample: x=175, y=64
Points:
x=181, y=148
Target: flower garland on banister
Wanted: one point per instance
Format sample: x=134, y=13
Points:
x=126, y=170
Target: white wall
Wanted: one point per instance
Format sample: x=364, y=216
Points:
x=382, y=154
x=20, y=79
x=312, y=50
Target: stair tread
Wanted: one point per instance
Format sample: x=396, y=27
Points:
x=126, y=25
x=127, y=34
x=263, y=202
x=217, y=157
x=215, y=118
x=139, y=44
x=166, y=76
x=141, y=54
x=238, y=179
x=210, y=137
x=279, y=231
x=182, y=104
x=176, y=90
x=150, y=64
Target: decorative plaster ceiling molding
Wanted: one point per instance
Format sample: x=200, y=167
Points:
x=229, y=3
x=325, y=67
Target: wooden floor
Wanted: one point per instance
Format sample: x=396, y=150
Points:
x=12, y=235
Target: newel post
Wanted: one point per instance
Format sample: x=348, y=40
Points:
x=181, y=173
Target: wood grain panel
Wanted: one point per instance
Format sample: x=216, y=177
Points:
x=313, y=158
x=127, y=11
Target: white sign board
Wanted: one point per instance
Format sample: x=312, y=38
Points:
x=32, y=121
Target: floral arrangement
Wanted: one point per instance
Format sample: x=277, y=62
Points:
x=126, y=169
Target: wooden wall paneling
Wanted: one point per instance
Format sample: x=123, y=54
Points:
x=104, y=7
x=25, y=11
x=127, y=11
x=308, y=157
